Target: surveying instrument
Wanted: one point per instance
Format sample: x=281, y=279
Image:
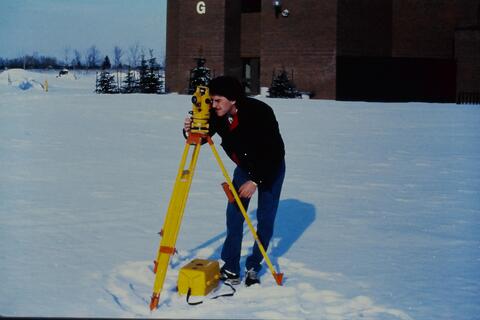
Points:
x=201, y=104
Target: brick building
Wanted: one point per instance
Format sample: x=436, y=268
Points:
x=384, y=50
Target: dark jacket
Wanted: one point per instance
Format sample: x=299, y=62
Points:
x=255, y=144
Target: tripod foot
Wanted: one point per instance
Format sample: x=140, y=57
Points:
x=278, y=278
x=154, y=301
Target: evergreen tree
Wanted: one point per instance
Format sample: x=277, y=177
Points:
x=143, y=79
x=105, y=81
x=149, y=81
x=130, y=84
x=152, y=75
x=199, y=76
x=106, y=63
x=282, y=87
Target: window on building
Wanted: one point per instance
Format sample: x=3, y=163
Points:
x=251, y=75
x=251, y=6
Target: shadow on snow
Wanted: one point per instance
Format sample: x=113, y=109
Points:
x=293, y=218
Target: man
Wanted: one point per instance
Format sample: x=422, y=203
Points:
x=251, y=138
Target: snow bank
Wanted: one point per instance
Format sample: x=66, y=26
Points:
x=22, y=79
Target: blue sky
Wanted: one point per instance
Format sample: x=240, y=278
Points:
x=50, y=26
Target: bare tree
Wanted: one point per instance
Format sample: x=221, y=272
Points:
x=93, y=55
x=77, y=60
x=117, y=56
x=133, y=54
x=162, y=62
x=66, y=55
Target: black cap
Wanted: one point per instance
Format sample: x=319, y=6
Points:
x=228, y=87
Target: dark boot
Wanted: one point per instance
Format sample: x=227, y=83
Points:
x=251, y=277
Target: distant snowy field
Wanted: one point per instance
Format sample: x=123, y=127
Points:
x=379, y=217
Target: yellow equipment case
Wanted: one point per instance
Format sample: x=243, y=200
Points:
x=199, y=276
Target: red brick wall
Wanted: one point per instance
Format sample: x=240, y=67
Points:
x=423, y=28
x=251, y=34
x=440, y=29
x=172, y=49
x=308, y=42
x=190, y=35
x=364, y=28
x=304, y=42
x=233, y=64
x=467, y=53
x=467, y=47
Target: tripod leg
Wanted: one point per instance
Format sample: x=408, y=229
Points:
x=173, y=219
x=277, y=276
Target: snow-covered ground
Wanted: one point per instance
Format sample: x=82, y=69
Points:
x=379, y=217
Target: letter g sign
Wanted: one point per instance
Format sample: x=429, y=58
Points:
x=201, y=7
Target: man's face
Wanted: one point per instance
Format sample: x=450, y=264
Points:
x=222, y=105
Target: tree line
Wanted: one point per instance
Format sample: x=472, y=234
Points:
x=30, y=62
x=74, y=59
x=147, y=78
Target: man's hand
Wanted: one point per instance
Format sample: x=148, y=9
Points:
x=247, y=189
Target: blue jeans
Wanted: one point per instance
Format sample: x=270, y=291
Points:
x=268, y=199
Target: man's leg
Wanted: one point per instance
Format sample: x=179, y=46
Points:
x=268, y=199
x=233, y=242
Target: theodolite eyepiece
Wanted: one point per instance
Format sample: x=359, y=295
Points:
x=201, y=104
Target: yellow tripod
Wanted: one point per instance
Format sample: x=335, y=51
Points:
x=171, y=226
